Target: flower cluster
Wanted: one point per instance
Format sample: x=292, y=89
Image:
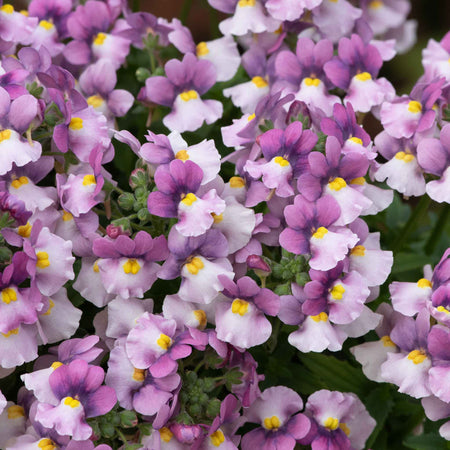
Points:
x=247, y=223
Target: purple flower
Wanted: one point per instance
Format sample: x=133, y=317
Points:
x=79, y=395
x=127, y=266
x=14, y=207
x=339, y=421
x=308, y=232
x=178, y=196
x=276, y=410
x=186, y=81
x=241, y=321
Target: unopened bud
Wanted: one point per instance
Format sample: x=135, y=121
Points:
x=259, y=266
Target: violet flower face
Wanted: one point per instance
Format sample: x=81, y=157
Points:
x=277, y=411
x=186, y=81
x=79, y=395
x=178, y=185
x=309, y=232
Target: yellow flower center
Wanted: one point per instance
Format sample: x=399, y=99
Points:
x=359, y=180
x=9, y=295
x=387, y=341
x=7, y=8
x=331, y=423
x=337, y=292
x=88, y=180
x=42, y=260
x=76, y=123
x=67, y=216
x=15, y=411
x=414, y=107
x=95, y=267
x=356, y=140
x=217, y=218
x=19, y=182
x=138, y=375
x=442, y=309
x=165, y=434
x=259, y=82
x=251, y=117
x=188, y=95
x=189, y=199
x=344, y=428
x=164, y=341
x=424, y=283
x=202, y=49
x=405, y=157
x=5, y=135
x=417, y=356
x=239, y=306
x=281, y=161
x=200, y=315
x=56, y=364
x=46, y=444
x=363, y=76
x=320, y=233
x=217, y=438
x=375, y=4
x=244, y=3
x=95, y=101
x=131, y=266
x=100, y=39
x=72, y=402
x=358, y=250
x=24, y=230
x=51, y=304
x=182, y=155
x=46, y=25
x=337, y=184
x=272, y=423
x=312, y=81
x=237, y=182
x=321, y=317
x=194, y=265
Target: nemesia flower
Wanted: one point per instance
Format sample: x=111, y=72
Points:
x=127, y=266
x=384, y=15
x=79, y=395
x=179, y=194
x=289, y=9
x=241, y=321
x=309, y=231
x=338, y=421
x=186, y=81
x=281, y=423
x=435, y=58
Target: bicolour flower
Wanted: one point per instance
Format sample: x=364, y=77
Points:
x=285, y=157
x=161, y=149
x=240, y=316
x=127, y=266
x=179, y=195
x=433, y=156
x=355, y=70
x=181, y=89
x=435, y=58
x=384, y=15
x=155, y=344
x=303, y=74
x=334, y=174
x=407, y=115
x=311, y=230
x=199, y=260
x=409, y=367
x=248, y=15
x=339, y=421
x=281, y=423
x=78, y=396
x=290, y=9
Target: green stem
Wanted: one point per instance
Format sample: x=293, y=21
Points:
x=121, y=436
x=185, y=11
x=418, y=212
x=438, y=229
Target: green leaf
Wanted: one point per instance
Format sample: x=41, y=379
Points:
x=404, y=262
x=336, y=375
x=426, y=442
